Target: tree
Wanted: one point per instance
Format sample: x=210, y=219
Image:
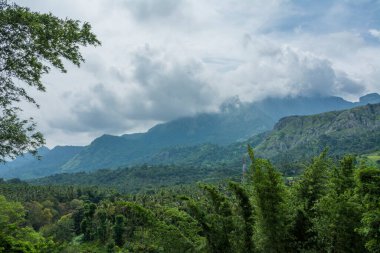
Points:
x=119, y=230
x=30, y=44
x=271, y=213
x=37, y=215
x=220, y=219
x=14, y=235
x=246, y=210
x=339, y=212
x=368, y=187
x=311, y=187
x=87, y=224
x=102, y=225
x=61, y=231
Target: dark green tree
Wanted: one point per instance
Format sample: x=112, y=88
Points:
x=311, y=186
x=87, y=225
x=271, y=214
x=77, y=217
x=119, y=229
x=215, y=216
x=102, y=225
x=339, y=212
x=368, y=187
x=30, y=44
x=247, y=213
x=37, y=215
x=61, y=231
x=110, y=247
x=221, y=217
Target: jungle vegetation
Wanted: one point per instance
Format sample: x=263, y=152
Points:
x=333, y=206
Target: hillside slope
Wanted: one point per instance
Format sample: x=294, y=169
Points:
x=50, y=163
x=236, y=122
x=295, y=138
x=199, y=140
x=354, y=131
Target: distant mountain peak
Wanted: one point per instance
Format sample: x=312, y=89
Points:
x=370, y=98
x=43, y=149
x=231, y=104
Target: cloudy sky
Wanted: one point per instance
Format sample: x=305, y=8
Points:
x=162, y=59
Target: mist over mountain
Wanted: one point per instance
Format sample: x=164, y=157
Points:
x=294, y=139
x=236, y=122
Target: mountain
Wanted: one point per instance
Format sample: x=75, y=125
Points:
x=23, y=160
x=185, y=140
x=371, y=98
x=236, y=121
x=27, y=166
x=355, y=131
x=294, y=138
x=206, y=155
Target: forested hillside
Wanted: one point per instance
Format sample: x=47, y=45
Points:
x=49, y=162
x=146, y=177
x=293, y=141
x=236, y=122
x=355, y=131
x=331, y=207
x=174, y=143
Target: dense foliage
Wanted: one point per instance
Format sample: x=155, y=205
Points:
x=146, y=177
x=30, y=44
x=331, y=207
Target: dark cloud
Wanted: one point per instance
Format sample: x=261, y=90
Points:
x=204, y=52
x=270, y=70
x=98, y=110
x=346, y=85
x=162, y=87
x=165, y=91
x=169, y=89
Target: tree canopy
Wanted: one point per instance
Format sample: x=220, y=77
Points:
x=31, y=44
x=332, y=206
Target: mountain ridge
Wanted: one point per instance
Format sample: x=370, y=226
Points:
x=287, y=142
x=345, y=131
x=236, y=122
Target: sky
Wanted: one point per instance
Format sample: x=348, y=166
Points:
x=164, y=59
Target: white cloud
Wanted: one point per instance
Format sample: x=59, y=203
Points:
x=375, y=33
x=161, y=59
